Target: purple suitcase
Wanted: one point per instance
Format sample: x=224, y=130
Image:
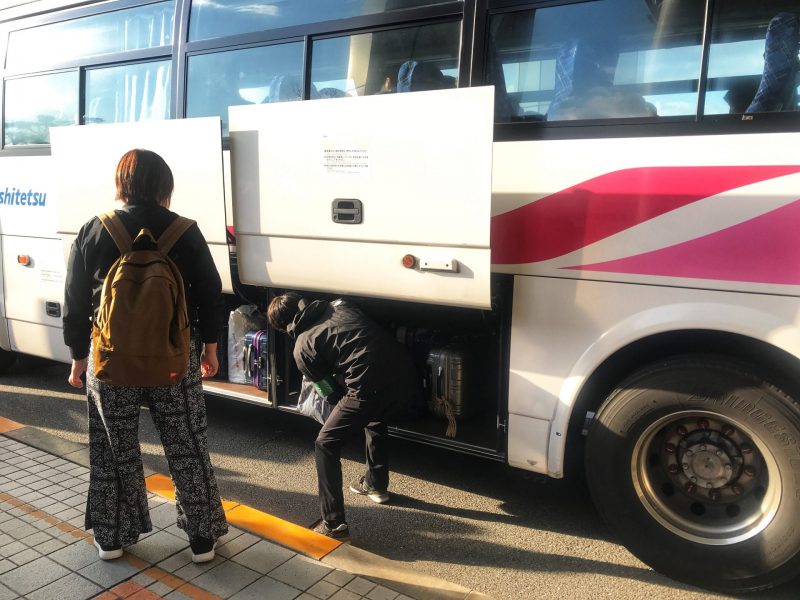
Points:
x=256, y=359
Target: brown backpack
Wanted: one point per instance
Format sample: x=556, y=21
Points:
x=141, y=335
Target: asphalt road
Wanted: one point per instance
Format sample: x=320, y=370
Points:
x=507, y=533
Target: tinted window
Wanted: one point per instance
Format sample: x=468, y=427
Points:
x=217, y=18
x=250, y=76
x=33, y=104
x=139, y=92
x=753, y=59
x=596, y=60
x=132, y=29
x=400, y=60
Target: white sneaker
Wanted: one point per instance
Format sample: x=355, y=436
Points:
x=361, y=488
x=108, y=553
x=202, y=550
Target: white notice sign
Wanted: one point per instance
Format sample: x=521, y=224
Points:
x=339, y=156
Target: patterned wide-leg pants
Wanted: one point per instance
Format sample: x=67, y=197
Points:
x=116, y=507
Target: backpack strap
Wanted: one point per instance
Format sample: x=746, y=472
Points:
x=116, y=229
x=173, y=233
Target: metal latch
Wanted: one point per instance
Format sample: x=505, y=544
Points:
x=348, y=211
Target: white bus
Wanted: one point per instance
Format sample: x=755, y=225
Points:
x=595, y=202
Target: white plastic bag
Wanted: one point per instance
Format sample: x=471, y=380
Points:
x=244, y=319
x=311, y=404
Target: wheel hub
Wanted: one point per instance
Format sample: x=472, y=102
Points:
x=706, y=465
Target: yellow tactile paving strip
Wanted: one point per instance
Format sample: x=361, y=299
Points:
x=267, y=526
x=287, y=534
x=9, y=425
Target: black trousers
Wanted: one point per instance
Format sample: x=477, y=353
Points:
x=350, y=416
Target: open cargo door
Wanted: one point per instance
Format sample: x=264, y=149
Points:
x=385, y=196
x=85, y=160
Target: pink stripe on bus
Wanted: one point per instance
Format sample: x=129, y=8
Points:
x=595, y=209
x=765, y=249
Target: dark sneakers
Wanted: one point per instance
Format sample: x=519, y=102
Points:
x=362, y=488
x=202, y=549
x=340, y=532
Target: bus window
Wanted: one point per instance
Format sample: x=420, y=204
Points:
x=137, y=92
x=408, y=59
x=146, y=26
x=606, y=59
x=33, y=104
x=250, y=76
x=753, y=58
x=210, y=19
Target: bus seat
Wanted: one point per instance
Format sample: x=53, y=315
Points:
x=780, y=65
x=284, y=88
x=331, y=92
x=579, y=68
x=584, y=85
x=417, y=76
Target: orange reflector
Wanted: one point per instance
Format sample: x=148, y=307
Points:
x=409, y=260
x=23, y=259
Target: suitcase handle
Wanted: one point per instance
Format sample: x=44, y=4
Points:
x=248, y=368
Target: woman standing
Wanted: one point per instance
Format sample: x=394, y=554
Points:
x=117, y=507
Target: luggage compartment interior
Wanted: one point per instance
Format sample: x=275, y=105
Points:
x=477, y=340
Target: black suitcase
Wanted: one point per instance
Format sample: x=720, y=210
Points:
x=451, y=382
x=256, y=359
x=419, y=343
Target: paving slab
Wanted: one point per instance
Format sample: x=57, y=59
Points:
x=46, y=553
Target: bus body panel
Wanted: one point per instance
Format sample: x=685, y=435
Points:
x=708, y=211
x=32, y=266
x=545, y=385
x=5, y=343
x=298, y=168
x=38, y=340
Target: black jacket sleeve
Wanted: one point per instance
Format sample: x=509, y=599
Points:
x=77, y=319
x=206, y=287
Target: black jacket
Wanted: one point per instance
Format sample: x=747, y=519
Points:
x=93, y=252
x=336, y=338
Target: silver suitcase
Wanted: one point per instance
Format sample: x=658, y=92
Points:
x=450, y=379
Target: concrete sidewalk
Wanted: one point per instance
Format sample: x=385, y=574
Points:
x=46, y=554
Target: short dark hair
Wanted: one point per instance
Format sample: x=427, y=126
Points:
x=282, y=310
x=143, y=177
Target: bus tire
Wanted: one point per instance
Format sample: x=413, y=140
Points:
x=695, y=464
x=7, y=359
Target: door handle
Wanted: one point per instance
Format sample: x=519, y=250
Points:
x=347, y=211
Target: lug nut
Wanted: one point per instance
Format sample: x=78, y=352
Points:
x=682, y=431
x=689, y=453
x=719, y=453
x=728, y=467
x=685, y=466
x=709, y=485
x=690, y=487
x=703, y=448
x=694, y=478
x=670, y=448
